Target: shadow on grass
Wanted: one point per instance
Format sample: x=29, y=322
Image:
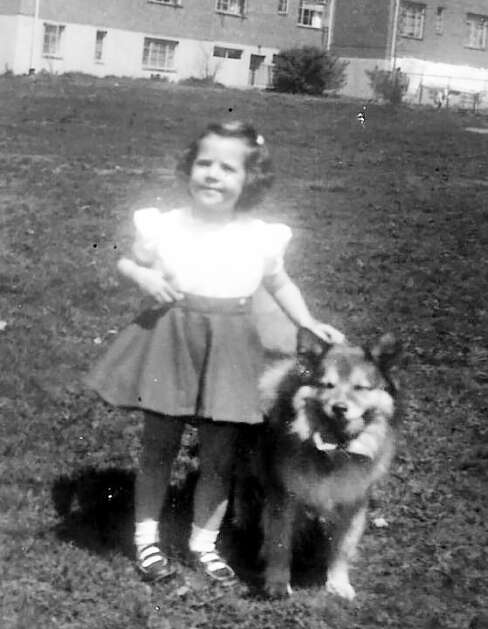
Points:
x=96, y=511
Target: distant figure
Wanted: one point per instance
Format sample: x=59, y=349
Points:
x=195, y=356
x=440, y=98
x=361, y=116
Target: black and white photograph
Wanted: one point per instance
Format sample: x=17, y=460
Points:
x=243, y=314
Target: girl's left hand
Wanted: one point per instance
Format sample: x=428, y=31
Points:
x=327, y=332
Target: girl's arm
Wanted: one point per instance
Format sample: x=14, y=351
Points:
x=149, y=281
x=289, y=298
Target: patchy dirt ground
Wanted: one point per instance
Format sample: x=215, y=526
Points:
x=390, y=234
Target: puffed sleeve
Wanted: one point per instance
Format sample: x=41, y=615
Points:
x=147, y=223
x=276, y=237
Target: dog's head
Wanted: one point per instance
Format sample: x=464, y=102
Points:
x=344, y=388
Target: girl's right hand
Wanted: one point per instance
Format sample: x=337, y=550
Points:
x=157, y=286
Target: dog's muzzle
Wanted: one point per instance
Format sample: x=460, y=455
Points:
x=339, y=409
x=323, y=446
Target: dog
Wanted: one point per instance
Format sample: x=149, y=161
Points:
x=327, y=439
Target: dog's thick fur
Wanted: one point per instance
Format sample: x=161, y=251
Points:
x=327, y=439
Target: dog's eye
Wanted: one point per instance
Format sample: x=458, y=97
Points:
x=327, y=385
x=362, y=387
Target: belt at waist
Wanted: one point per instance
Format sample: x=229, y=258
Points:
x=227, y=305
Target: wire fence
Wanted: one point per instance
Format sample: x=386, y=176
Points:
x=465, y=92
x=437, y=90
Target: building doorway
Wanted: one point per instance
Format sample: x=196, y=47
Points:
x=256, y=67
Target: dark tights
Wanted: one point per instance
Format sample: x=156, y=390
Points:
x=160, y=444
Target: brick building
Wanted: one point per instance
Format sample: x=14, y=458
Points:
x=233, y=40
x=440, y=44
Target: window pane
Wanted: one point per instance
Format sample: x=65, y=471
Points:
x=311, y=12
x=236, y=7
x=233, y=53
x=477, y=27
x=439, y=21
x=51, y=44
x=229, y=53
x=99, y=45
x=159, y=53
x=412, y=20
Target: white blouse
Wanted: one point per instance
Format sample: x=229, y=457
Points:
x=212, y=260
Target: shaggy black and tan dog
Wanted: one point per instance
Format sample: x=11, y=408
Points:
x=328, y=438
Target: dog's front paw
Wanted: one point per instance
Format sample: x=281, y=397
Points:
x=278, y=589
x=340, y=587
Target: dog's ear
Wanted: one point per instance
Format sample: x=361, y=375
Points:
x=386, y=352
x=310, y=344
x=310, y=348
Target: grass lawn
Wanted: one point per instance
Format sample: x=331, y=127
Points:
x=390, y=233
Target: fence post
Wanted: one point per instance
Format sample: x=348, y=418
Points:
x=476, y=101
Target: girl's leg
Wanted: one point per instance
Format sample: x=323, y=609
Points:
x=161, y=439
x=217, y=443
x=160, y=444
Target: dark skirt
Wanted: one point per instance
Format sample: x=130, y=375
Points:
x=200, y=357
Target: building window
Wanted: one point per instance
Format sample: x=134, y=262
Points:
x=412, y=17
x=100, y=38
x=53, y=39
x=311, y=13
x=227, y=53
x=439, y=21
x=159, y=54
x=171, y=3
x=282, y=7
x=232, y=7
x=477, y=27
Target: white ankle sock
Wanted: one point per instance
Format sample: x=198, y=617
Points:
x=146, y=533
x=202, y=540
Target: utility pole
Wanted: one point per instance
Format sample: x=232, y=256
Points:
x=34, y=36
x=394, y=35
x=330, y=33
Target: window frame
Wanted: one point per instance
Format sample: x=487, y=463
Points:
x=58, y=40
x=226, y=50
x=439, y=20
x=306, y=15
x=148, y=61
x=224, y=7
x=482, y=20
x=99, y=45
x=283, y=7
x=418, y=11
x=167, y=3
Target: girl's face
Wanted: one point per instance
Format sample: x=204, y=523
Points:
x=218, y=174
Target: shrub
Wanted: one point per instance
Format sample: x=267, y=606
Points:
x=206, y=81
x=308, y=70
x=388, y=85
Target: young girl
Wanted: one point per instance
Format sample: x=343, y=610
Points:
x=195, y=356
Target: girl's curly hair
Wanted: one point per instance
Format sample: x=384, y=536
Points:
x=259, y=169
